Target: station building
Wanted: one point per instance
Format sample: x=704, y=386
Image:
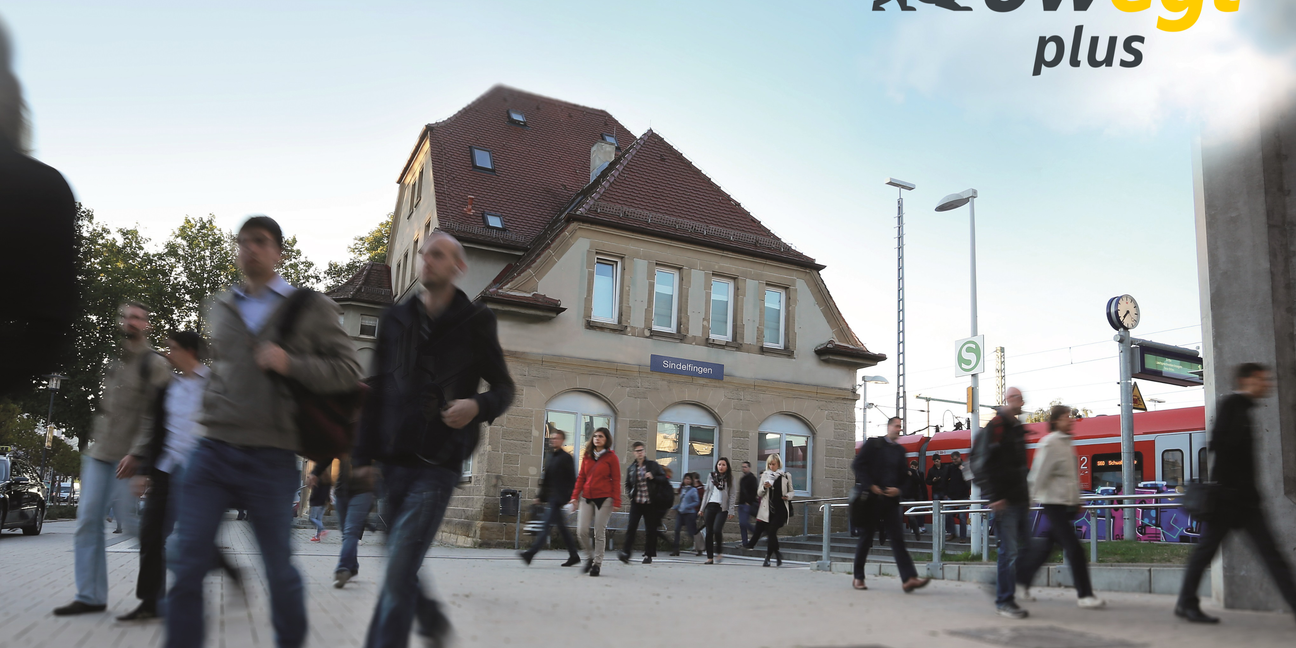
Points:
x=632, y=293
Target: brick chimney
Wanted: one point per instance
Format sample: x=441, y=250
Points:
x=601, y=154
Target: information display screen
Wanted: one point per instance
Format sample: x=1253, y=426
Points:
x=1166, y=366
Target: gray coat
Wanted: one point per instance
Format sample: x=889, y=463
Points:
x=123, y=419
x=246, y=406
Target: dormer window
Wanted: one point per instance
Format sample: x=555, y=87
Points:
x=610, y=139
x=516, y=117
x=493, y=220
x=482, y=159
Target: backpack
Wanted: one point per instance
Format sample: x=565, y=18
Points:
x=660, y=491
x=326, y=423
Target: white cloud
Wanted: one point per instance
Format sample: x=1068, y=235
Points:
x=1226, y=65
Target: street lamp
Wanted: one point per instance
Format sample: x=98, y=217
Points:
x=902, y=403
x=954, y=201
x=52, y=384
x=881, y=380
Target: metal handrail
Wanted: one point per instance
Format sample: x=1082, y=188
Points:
x=933, y=508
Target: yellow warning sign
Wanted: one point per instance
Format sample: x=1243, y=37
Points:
x=1138, y=400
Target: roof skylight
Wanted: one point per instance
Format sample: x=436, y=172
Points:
x=517, y=117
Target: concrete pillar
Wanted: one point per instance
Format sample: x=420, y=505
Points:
x=1246, y=247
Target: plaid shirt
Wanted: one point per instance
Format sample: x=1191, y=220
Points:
x=641, y=484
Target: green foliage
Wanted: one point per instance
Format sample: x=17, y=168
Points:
x=1041, y=415
x=371, y=247
x=201, y=256
x=295, y=268
x=1119, y=551
x=60, y=512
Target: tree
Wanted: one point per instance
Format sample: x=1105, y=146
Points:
x=1041, y=415
x=295, y=268
x=366, y=248
x=201, y=256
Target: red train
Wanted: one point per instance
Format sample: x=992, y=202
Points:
x=1169, y=447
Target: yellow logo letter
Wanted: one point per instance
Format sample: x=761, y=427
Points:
x=1192, y=11
x=1134, y=6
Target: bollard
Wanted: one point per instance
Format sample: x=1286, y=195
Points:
x=825, y=562
x=1093, y=535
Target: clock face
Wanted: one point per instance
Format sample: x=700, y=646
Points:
x=1127, y=312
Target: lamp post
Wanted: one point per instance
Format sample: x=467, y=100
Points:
x=902, y=404
x=52, y=384
x=954, y=201
x=881, y=380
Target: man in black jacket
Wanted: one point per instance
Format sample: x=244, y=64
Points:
x=422, y=420
x=956, y=488
x=747, y=501
x=556, y=490
x=642, y=477
x=1233, y=471
x=999, y=468
x=880, y=470
x=914, y=490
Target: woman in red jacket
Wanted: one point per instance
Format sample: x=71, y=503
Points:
x=597, y=493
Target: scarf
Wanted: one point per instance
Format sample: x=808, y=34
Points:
x=717, y=481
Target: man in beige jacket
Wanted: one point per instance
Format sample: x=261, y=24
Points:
x=121, y=431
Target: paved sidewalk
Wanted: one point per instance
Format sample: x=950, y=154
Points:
x=495, y=600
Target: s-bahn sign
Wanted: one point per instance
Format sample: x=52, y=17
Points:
x=969, y=356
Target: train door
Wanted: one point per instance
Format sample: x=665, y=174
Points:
x=1173, y=452
x=1199, y=460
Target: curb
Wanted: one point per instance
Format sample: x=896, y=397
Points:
x=1138, y=579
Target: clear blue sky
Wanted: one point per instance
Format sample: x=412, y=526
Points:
x=307, y=110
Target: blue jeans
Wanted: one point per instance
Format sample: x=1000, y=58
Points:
x=416, y=503
x=554, y=518
x=221, y=476
x=317, y=518
x=1012, y=530
x=746, y=513
x=100, y=489
x=687, y=522
x=352, y=511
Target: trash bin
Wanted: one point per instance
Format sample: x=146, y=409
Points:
x=509, y=501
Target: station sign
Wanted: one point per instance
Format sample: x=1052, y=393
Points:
x=969, y=356
x=1167, y=364
x=684, y=367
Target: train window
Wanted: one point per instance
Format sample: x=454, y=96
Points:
x=1172, y=468
x=1202, y=474
x=1106, y=470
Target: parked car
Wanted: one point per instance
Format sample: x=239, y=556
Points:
x=22, y=497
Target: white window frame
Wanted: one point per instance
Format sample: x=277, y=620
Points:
x=783, y=306
x=616, y=289
x=785, y=425
x=466, y=472
x=583, y=415
x=729, y=328
x=689, y=416
x=361, y=333
x=675, y=291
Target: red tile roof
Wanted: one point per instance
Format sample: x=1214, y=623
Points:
x=372, y=284
x=538, y=167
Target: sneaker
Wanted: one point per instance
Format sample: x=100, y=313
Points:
x=315, y=539
x=361, y=542
x=1023, y=593
x=1091, y=603
x=647, y=560
x=1011, y=611
x=117, y=531
x=141, y=613
x=574, y=560
x=1190, y=613
x=340, y=577
x=322, y=534
x=77, y=607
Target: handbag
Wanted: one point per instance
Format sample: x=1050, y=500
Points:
x=1202, y=499
x=326, y=423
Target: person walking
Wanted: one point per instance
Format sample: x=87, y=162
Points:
x=161, y=469
x=913, y=491
x=319, y=499
x=597, y=493
x=719, y=501
x=775, y=493
x=422, y=420
x=880, y=470
x=1238, y=507
x=556, y=487
x=353, y=499
x=1001, y=471
x=686, y=512
x=747, y=501
x=120, y=435
x=247, y=457
x=643, y=475
x=1055, y=483
x=956, y=488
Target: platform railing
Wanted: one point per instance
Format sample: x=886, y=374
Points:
x=938, y=509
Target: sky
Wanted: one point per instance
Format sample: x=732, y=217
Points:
x=306, y=111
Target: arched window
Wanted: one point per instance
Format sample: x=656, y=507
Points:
x=686, y=440
x=578, y=414
x=793, y=439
